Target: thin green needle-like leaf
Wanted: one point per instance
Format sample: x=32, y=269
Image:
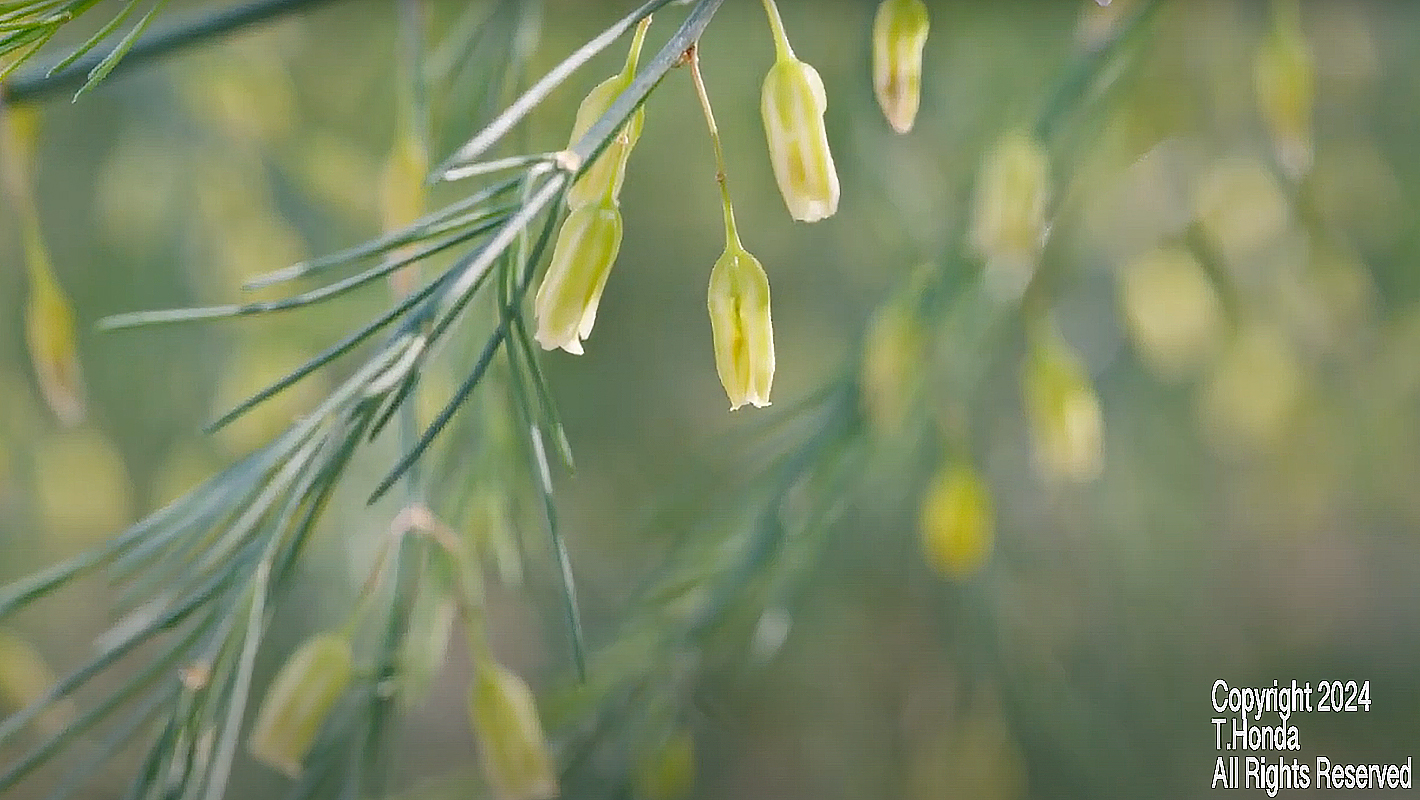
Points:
x=176, y=614
x=326, y=356
x=116, y=741
x=539, y=91
x=103, y=33
x=463, y=287
x=141, y=318
x=415, y=231
x=103, y=68
x=158, y=668
x=236, y=704
x=566, y=583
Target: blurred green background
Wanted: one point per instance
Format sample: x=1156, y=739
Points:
x=1256, y=517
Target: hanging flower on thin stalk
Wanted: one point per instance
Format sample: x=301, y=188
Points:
x=792, y=104
x=298, y=702
x=566, y=302
x=738, y=298
x=604, y=175
x=511, y=745
x=899, y=34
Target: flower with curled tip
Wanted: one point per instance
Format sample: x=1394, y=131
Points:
x=899, y=34
x=603, y=177
x=792, y=105
x=740, y=324
x=567, y=299
x=298, y=702
x=511, y=746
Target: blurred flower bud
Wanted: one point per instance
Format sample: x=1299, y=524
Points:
x=740, y=323
x=1285, y=81
x=603, y=177
x=957, y=522
x=402, y=198
x=1171, y=310
x=894, y=349
x=511, y=744
x=298, y=701
x=899, y=34
x=49, y=318
x=668, y=772
x=426, y=642
x=1008, y=221
x=1067, y=432
x=1250, y=400
x=49, y=330
x=792, y=105
x=566, y=303
x=25, y=678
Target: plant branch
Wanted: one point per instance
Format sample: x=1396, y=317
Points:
x=37, y=82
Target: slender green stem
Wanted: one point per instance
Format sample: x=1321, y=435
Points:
x=782, y=50
x=37, y=82
x=732, y=236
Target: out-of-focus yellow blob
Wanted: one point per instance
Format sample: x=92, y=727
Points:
x=1171, y=310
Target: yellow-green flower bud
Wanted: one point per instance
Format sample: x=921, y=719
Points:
x=604, y=176
x=1172, y=311
x=668, y=772
x=1285, y=82
x=894, y=348
x=566, y=302
x=957, y=522
x=298, y=702
x=26, y=677
x=511, y=745
x=792, y=104
x=899, y=34
x=740, y=323
x=1067, y=431
x=1008, y=222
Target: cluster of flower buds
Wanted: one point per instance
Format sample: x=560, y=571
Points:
x=587, y=243
x=1009, y=218
x=511, y=744
x=1067, y=431
x=899, y=34
x=1285, y=79
x=792, y=104
x=300, y=698
x=957, y=522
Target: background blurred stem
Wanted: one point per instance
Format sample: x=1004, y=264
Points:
x=37, y=82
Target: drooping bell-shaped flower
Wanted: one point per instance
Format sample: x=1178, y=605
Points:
x=899, y=34
x=566, y=302
x=740, y=322
x=298, y=702
x=511, y=746
x=792, y=104
x=604, y=176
